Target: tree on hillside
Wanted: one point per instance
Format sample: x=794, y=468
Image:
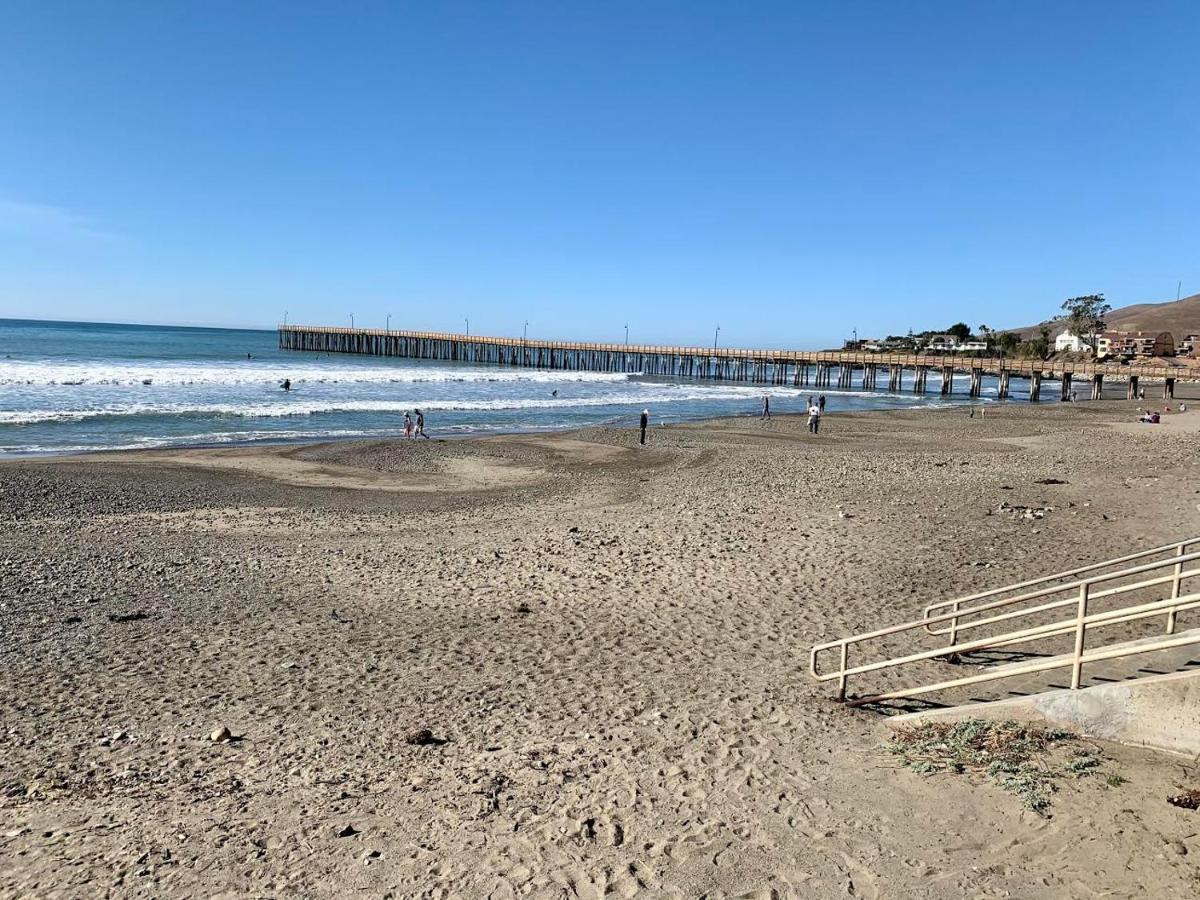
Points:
x=1007, y=341
x=1038, y=347
x=960, y=330
x=1085, y=316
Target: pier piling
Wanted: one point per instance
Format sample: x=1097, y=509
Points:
x=780, y=367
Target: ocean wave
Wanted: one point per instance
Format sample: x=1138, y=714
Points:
x=639, y=394
x=271, y=373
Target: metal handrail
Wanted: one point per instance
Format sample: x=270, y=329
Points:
x=1076, y=662
x=1180, y=547
x=1083, y=594
x=944, y=617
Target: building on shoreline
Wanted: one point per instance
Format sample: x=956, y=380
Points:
x=1070, y=342
x=1131, y=344
x=941, y=343
x=1188, y=346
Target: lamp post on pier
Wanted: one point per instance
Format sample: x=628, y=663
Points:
x=388, y=326
x=351, y=321
x=285, y=315
x=626, y=334
x=467, y=319
x=525, y=331
x=716, y=335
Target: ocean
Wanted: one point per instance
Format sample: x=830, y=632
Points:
x=72, y=387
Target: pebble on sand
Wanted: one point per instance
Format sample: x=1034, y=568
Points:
x=220, y=734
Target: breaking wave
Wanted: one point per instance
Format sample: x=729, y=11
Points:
x=300, y=406
x=270, y=373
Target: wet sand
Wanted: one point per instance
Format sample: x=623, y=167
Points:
x=608, y=644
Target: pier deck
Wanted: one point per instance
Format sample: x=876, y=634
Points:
x=798, y=368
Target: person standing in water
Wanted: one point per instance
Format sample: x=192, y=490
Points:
x=814, y=418
x=645, y=420
x=407, y=425
x=421, y=425
x=821, y=403
x=766, y=413
x=287, y=384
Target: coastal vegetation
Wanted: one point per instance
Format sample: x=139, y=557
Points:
x=1023, y=759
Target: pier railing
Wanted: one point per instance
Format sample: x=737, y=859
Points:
x=815, y=369
x=1123, y=590
x=835, y=357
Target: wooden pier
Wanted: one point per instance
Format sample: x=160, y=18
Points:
x=795, y=368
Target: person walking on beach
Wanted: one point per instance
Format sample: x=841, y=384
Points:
x=645, y=420
x=814, y=418
x=421, y=425
x=407, y=425
x=766, y=413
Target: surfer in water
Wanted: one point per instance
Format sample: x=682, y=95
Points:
x=287, y=384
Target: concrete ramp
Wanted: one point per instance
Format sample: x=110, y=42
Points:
x=1138, y=662
x=1161, y=712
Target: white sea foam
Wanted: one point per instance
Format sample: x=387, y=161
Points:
x=640, y=394
x=272, y=372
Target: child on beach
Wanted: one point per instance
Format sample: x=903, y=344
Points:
x=421, y=425
x=407, y=425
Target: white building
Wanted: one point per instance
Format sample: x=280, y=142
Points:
x=942, y=343
x=1068, y=341
x=973, y=346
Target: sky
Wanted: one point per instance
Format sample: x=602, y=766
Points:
x=791, y=172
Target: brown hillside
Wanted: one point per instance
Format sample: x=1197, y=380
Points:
x=1180, y=317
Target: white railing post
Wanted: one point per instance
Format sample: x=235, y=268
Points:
x=843, y=678
x=1080, y=628
x=954, y=624
x=1175, y=590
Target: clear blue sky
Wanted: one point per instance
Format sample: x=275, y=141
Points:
x=790, y=170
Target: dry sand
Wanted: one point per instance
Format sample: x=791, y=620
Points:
x=609, y=645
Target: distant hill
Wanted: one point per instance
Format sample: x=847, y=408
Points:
x=1180, y=317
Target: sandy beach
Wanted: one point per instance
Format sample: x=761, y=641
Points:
x=608, y=645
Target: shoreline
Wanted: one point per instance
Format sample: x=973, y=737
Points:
x=479, y=434
x=1186, y=391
